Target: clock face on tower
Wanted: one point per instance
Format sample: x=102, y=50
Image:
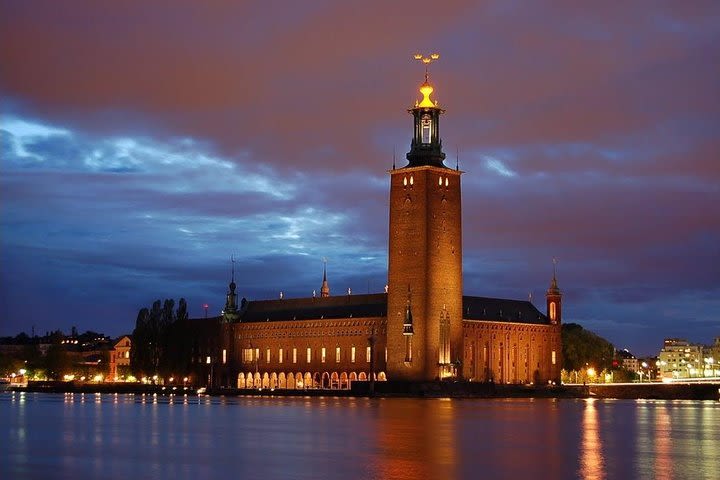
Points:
x=425, y=128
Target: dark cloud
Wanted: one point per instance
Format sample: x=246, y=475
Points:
x=143, y=144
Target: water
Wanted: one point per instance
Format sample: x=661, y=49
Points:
x=134, y=437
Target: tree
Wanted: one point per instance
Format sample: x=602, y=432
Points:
x=581, y=347
x=139, y=353
x=57, y=362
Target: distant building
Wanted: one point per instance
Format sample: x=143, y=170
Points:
x=627, y=360
x=119, y=357
x=680, y=359
x=422, y=328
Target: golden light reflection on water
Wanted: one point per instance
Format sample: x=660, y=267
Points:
x=592, y=463
x=416, y=439
x=663, y=465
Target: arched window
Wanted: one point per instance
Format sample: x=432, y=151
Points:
x=553, y=311
x=425, y=128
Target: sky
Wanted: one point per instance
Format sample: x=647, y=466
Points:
x=142, y=144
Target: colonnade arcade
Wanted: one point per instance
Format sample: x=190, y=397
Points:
x=304, y=380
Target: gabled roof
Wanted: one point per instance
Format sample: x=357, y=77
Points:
x=501, y=309
x=375, y=305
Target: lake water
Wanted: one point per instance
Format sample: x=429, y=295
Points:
x=134, y=437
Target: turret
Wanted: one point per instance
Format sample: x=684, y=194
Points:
x=554, y=299
x=230, y=312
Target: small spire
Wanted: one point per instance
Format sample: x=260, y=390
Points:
x=554, y=290
x=393, y=157
x=324, y=288
x=457, y=159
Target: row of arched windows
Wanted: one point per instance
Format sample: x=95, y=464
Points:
x=300, y=380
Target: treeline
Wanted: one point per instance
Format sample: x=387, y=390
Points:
x=162, y=342
x=582, y=347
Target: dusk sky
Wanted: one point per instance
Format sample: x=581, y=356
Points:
x=144, y=143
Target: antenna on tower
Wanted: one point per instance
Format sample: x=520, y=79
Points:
x=232, y=260
x=393, y=157
x=457, y=158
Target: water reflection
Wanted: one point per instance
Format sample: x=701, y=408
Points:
x=126, y=436
x=663, y=465
x=416, y=439
x=592, y=463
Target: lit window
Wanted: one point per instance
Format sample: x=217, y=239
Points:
x=337, y=354
x=405, y=181
x=207, y=359
x=309, y=354
x=447, y=182
x=367, y=355
x=280, y=355
x=352, y=355
x=257, y=354
x=224, y=356
x=553, y=311
x=267, y=355
x=247, y=355
x=411, y=180
x=440, y=181
x=426, y=128
x=294, y=355
x=322, y=355
x=553, y=357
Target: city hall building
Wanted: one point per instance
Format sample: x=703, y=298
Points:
x=421, y=329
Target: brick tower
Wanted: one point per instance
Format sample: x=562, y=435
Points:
x=425, y=255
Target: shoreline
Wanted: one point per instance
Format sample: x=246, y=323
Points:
x=649, y=391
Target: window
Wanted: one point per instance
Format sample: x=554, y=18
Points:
x=553, y=357
x=337, y=354
x=352, y=354
x=224, y=356
x=309, y=354
x=257, y=354
x=322, y=355
x=294, y=355
x=367, y=354
x=247, y=355
x=553, y=311
x=280, y=355
x=425, y=128
x=267, y=355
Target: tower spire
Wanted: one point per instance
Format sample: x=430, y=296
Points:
x=426, y=146
x=324, y=288
x=230, y=312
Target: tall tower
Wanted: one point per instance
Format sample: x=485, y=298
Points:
x=425, y=254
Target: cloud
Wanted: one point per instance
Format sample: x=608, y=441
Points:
x=141, y=145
